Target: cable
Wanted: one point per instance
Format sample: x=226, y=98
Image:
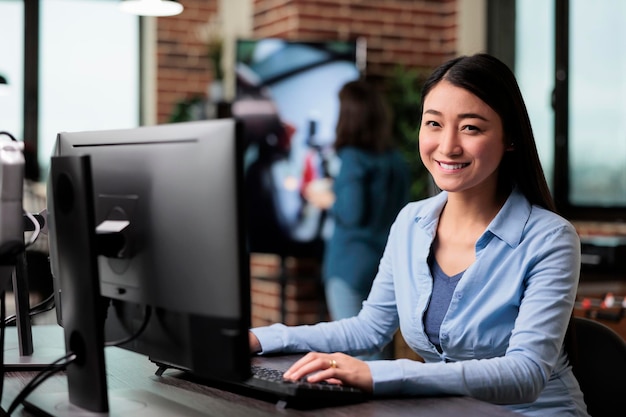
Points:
x=9, y=135
x=146, y=319
x=44, y=306
x=36, y=225
x=56, y=366
x=2, y=326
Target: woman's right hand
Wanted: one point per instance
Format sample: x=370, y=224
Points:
x=335, y=368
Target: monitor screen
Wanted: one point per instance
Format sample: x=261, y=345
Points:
x=287, y=97
x=172, y=198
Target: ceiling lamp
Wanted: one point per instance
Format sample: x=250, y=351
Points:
x=152, y=7
x=4, y=86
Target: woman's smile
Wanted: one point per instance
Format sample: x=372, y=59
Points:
x=452, y=166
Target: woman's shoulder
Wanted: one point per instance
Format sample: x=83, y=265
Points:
x=350, y=150
x=531, y=219
x=367, y=159
x=355, y=151
x=549, y=220
x=352, y=154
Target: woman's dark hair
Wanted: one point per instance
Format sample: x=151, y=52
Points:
x=493, y=82
x=364, y=118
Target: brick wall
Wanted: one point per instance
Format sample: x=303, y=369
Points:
x=184, y=69
x=297, y=281
x=414, y=33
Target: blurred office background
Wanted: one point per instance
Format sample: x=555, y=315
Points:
x=84, y=65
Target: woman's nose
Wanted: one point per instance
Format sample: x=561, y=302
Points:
x=449, y=143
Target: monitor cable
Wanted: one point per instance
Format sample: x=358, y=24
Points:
x=60, y=364
x=37, y=229
x=57, y=366
x=44, y=306
x=4, y=132
x=2, y=326
x=146, y=320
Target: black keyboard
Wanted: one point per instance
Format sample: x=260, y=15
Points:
x=268, y=384
x=302, y=394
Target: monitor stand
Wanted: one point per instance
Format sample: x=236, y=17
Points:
x=19, y=351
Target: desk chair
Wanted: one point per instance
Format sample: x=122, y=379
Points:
x=598, y=357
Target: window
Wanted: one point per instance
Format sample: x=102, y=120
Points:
x=576, y=49
x=89, y=69
x=597, y=103
x=534, y=69
x=88, y=72
x=11, y=66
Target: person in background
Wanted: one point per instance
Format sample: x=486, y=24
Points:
x=364, y=198
x=480, y=278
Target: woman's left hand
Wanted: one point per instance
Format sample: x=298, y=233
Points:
x=319, y=193
x=336, y=368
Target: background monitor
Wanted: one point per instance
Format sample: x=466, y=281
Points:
x=287, y=98
x=176, y=190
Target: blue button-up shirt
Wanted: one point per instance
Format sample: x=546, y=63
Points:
x=502, y=336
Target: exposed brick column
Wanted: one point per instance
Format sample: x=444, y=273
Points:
x=304, y=302
x=184, y=69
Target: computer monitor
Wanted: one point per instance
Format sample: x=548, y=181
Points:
x=168, y=232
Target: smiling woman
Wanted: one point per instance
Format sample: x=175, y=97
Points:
x=480, y=278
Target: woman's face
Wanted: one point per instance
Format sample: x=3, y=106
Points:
x=461, y=140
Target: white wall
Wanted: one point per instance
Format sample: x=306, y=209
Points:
x=472, y=26
x=236, y=17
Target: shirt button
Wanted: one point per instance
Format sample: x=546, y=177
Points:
x=458, y=295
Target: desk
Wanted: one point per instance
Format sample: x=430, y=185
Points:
x=129, y=370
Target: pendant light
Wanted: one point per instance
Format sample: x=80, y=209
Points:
x=151, y=7
x=4, y=86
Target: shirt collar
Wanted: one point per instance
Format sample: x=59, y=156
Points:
x=508, y=225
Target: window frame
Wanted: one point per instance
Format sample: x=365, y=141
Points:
x=501, y=41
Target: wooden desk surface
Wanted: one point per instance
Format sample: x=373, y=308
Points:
x=129, y=370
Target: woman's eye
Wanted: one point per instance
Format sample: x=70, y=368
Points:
x=471, y=128
x=431, y=123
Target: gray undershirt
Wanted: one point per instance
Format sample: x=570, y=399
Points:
x=443, y=288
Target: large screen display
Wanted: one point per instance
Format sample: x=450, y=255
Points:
x=287, y=97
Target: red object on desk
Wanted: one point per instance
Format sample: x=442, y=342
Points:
x=586, y=304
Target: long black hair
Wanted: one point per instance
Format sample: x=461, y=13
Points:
x=493, y=82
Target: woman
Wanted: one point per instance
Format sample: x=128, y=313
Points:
x=497, y=334
x=371, y=187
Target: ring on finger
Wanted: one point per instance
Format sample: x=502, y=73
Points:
x=333, y=363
